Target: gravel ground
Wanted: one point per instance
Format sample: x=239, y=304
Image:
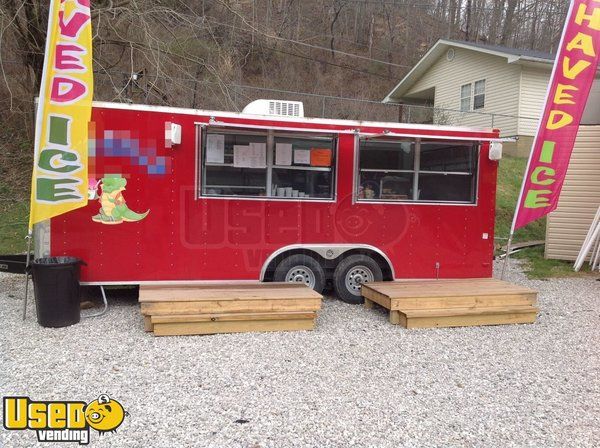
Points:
x=355, y=381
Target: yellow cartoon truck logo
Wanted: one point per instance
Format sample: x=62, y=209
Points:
x=63, y=421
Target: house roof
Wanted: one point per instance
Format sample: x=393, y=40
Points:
x=512, y=55
x=528, y=54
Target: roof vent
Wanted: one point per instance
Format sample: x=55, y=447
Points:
x=275, y=107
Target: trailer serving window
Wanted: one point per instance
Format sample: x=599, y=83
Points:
x=269, y=164
x=225, y=174
x=417, y=171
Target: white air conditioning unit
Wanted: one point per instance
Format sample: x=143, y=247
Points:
x=275, y=107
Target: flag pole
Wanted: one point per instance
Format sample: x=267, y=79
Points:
x=510, y=238
x=39, y=116
x=29, y=237
x=518, y=207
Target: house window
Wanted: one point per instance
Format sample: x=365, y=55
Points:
x=417, y=171
x=473, y=93
x=268, y=164
x=465, y=98
x=479, y=95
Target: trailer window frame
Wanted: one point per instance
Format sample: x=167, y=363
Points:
x=271, y=135
x=418, y=172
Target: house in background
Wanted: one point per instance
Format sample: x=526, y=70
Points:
x=472, y=84
x=568, y=225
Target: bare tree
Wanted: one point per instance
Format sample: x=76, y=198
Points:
x=507, y=29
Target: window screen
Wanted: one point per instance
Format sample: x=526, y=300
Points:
x=465, y=98
x=268, y=164
x=479, y=95
x=420, y=171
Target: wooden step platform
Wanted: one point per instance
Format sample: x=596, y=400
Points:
x=453, y=302
x=228, y=308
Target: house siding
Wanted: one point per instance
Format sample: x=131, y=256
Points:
x=534, y=87
x=502, y=89
x=569, y=223
x=591, y=115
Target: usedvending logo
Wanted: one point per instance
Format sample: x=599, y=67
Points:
x=63, y=421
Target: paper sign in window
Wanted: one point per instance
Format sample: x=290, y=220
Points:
x=302, y=156
x=258, y=153
x=215, y=148
x=283, y=154
x=252, y=156
x=320, y=157
x=240, y=156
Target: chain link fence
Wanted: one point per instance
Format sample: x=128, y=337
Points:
x=207, y=95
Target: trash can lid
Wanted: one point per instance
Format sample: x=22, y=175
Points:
x=57, y=260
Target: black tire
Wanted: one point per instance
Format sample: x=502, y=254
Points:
x=365, y=267
x=304, y=265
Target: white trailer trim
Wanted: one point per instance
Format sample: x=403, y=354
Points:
x=315, y=121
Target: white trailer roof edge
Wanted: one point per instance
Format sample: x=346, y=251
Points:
x=321, y=121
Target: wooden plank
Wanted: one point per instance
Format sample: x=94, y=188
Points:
x=444, y=301
x=469, y=320
x=469, y=311
x=444, y=288
x=193, y=295
x=223, y=306
x=450, y=286
x=230, y=294
x=395, y=317
x=230, y=317
x=376, y=296
x=369, y=304
x=147, y=323
x=193, y=328
x=515, y=246
x=463, y=302
x=222, y=285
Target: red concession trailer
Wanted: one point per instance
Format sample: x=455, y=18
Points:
x=181, y=195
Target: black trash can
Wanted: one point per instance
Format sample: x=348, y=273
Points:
x=56, y=286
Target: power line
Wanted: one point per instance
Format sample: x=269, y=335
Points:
x=423, y=6
x=366, y=72
x=297, y=42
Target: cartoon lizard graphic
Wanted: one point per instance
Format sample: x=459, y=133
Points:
x=113, y=208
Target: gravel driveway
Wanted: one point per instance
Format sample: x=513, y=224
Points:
x=355, y=381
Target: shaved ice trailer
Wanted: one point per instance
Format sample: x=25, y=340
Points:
x=184, y=196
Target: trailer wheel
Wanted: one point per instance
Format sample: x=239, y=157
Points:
x=351, y=273
x=301, y=269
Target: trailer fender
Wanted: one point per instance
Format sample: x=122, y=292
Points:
x=326, y=251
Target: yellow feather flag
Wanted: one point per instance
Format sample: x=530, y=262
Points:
x=59, y=182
